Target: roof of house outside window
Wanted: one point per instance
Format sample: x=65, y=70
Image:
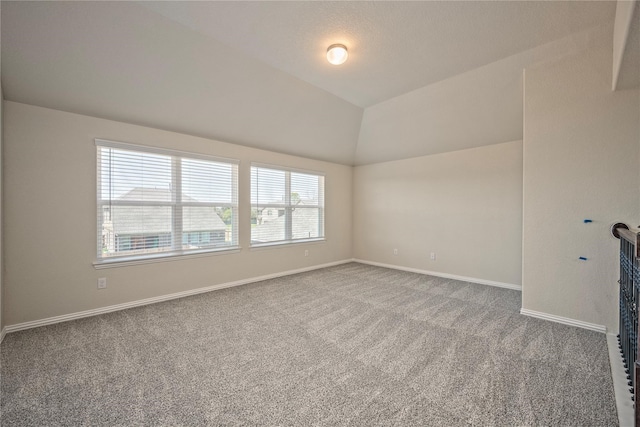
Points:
x=157, y=219
x=305, y=224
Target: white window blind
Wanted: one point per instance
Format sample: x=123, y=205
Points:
x=154, y=203
x=286, y=205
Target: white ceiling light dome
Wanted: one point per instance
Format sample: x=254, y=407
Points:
x=337, y=54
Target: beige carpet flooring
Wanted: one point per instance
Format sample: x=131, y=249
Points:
x=348, y=345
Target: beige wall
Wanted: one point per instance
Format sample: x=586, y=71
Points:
x=465, y=205
x=581, y=155
x=580, y=159
x=50, y=211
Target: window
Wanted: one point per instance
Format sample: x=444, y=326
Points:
x=286, y=205
x=156, y=203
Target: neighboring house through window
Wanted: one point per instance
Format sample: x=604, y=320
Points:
x=286, y=205
x=154, y=202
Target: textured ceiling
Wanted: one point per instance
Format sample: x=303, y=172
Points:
x=395, y=47
x=119, y=61
x=254, y=73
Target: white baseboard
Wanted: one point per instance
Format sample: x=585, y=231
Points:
x=624, y=403
x=3, y=332
x=147, y=301
x=444, y=275
x=564, y=320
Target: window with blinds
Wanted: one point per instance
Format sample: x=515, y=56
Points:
x=154, y=203
x=286, y=205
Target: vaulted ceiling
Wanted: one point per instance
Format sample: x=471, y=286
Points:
x=422, y=77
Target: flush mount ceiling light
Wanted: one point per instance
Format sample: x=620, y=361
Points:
x=337, y=54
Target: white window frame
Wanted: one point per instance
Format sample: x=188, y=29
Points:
x=288, y=207
x=176, y=251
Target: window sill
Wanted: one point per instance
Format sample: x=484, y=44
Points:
x=137, y=260
x=260, y=246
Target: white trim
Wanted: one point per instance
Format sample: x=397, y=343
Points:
x=3, y=332
x=163, y=257
x=444, y=275
x=285, y=243
x=147, y=301
x=564, y=320
x=620, y=387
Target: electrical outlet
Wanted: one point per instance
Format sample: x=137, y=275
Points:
x=433, y=256
x=306, y=252
x=102, y=283
x=395, y=251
